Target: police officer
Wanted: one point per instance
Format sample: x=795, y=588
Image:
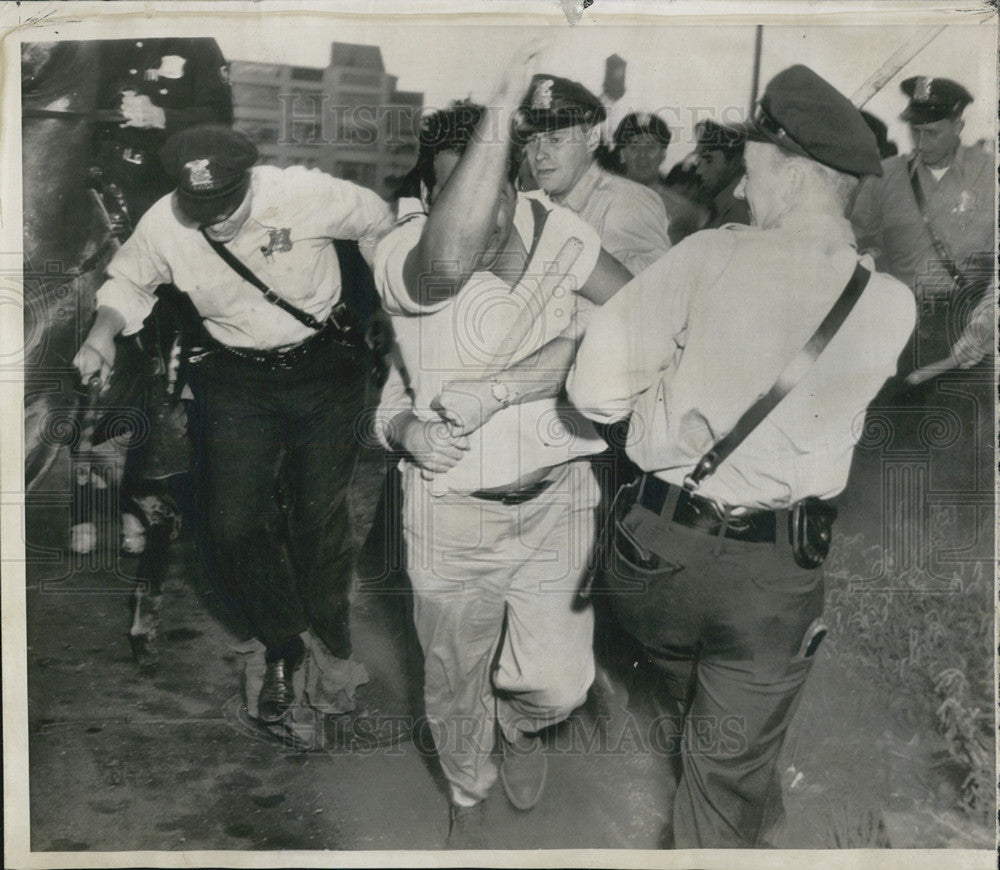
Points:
x=944, y=249
x=641, y=140
x=159, y=87
x=707, y=580
x=564, y=119
x=280, y=386
x=719, y=166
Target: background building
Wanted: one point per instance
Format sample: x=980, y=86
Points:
x=347, y=119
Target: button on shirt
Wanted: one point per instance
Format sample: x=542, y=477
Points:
x=888, y=223
x=474, y=334
x=630, y=218
x=286, y=241
x=692, y=342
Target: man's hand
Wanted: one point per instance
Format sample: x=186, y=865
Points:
x=139, y=111
x=96, y=356
x=95, y=359
x=510, y=89
x=466, y=405
x=431, y=445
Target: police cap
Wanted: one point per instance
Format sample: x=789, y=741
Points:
x=553, y=102
x=210, y=164
x=933, y=99
x=711, y=136
x=638, y=124
x=804, y=114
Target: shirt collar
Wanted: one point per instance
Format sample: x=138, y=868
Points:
x=579, y=195
x=832, y=229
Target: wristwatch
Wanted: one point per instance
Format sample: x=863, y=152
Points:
x=500, y=392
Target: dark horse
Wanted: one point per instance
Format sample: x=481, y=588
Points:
x=71, y=230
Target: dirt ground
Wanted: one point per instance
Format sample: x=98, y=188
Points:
x=126, y=760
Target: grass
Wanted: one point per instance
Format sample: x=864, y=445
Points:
x=931, y=652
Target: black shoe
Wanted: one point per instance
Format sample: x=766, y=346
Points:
x=277, y=694
x=467, y=827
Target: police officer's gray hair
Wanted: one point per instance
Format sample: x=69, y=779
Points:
x=839, y=186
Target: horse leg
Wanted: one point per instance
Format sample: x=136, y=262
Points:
x=147, y=598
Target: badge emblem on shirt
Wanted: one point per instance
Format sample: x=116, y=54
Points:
x=922, y=89
x=199, y=175
x=278, y=241
x=965, y=201
x=542, y=98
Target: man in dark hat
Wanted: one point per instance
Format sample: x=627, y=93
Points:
x=277, y=389
x=641, y=140
x=563, y=119
x=942, y=247
x=718, y=546
x=719, y=165
x=886, y=147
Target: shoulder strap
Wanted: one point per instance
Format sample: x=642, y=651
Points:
x=241, y=269
x=792, y=373
x=943, y=251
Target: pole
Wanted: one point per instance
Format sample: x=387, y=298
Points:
x=755, y=83
x=896, y=61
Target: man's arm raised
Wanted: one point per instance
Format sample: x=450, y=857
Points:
x=463, y=216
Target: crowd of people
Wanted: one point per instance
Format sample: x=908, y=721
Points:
x=733, y=319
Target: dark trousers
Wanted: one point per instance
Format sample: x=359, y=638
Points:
x=277, y=451
x=726, y=625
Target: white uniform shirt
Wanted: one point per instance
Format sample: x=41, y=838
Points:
x=471, y=335
x=286, y=241
x=692, y=342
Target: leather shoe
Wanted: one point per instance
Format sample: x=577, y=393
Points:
x=277, y=694
x=523, y=770
x=467, y=827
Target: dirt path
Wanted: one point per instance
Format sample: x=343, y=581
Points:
x=126, y=761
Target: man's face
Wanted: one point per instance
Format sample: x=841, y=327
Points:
x=558, y=158
x=715, y=169
x=642, y=157
x=444, y=165
x=502, y=226
x=224, y=223
x=936, y=142
x=763, y=187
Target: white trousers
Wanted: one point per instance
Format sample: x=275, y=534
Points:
x=484, y=573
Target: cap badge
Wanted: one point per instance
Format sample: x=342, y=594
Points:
x=643, y=118
x=922, y=89
x=542, y=98
x=199, y=175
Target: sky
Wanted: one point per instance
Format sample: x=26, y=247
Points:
x=686, y=71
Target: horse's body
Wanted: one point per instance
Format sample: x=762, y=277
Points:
x=68, y=240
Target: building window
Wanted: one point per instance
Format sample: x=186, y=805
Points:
x=261, y=132
x=306, y=133
x=307, y=74
x=255, y=95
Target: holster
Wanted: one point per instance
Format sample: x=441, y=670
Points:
x=810, y=531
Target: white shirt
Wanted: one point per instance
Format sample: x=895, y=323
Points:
x=687, y=346
x=475, y=334
x=286, y=241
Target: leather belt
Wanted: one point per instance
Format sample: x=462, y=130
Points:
x=340, y=327
x=517, y=496
x=706, y=516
